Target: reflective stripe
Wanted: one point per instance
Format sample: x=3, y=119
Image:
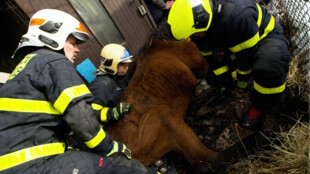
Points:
x=256, y=38
x=260, y=16
x=114, y=149
x=96, y=140
x=37, y=21
x=68, y=95
x=234, y=75
x=269, y=28
x=19, y=157
x=23, y=105
x=21, y=65
x=264, y=90
x=103, y=114
x=233, y=56
x=221, y=70
x=244, y=72
x=246, y=44
x=209, y=53
x=96, y=106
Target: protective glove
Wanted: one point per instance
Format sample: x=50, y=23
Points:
x=242, y=84
x=120, y=109
x=119, y=149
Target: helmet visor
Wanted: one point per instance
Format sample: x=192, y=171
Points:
x=126, y=58
x=82, y=37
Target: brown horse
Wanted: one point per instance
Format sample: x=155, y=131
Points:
x=161, y=90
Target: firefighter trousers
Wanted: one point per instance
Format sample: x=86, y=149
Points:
x=270, y=68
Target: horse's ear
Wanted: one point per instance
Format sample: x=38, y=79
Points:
x=188, y=39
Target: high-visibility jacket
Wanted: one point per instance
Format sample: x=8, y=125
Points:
x=237, y=29
x=42, y=100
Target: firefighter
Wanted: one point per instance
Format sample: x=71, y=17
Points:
x=44, y=98
x=241, y=40
x=110, y=82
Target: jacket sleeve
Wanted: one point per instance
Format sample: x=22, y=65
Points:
x=106, y=97
x=160, y=3
x=82, y=120
x=70, y=96
x=102, y=94
x=244, y=32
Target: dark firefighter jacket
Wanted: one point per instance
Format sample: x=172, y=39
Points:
x=42, y=100
x=107, y=90
x=237, y=27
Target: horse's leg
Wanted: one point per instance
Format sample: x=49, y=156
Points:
x=162, y=131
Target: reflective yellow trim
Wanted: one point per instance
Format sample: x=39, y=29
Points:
x=234, y=75
x=221, y=70
x=269, y=28
x=114, y=149
x=96, y=106
x=96, y=140
x=103, y=114
x=260, y=16
x=264, y=90
x=209, y=53
x=246, y=44
x=19, y=157
x=68, y=95
x=244, y=72
x=256, y=38
x=233, y=56
x=21, y=65
x=23, y=105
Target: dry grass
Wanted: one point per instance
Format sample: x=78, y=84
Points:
x=289, y=154
x=290, y=150
x=298, y=78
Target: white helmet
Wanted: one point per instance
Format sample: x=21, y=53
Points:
x=111, y=56
x=50, y=27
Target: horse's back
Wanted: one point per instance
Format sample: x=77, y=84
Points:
x=160, y=90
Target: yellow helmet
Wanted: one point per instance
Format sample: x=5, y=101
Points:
x=187, y=17
x=111, y=56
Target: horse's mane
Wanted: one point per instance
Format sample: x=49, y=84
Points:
x=162, y=32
